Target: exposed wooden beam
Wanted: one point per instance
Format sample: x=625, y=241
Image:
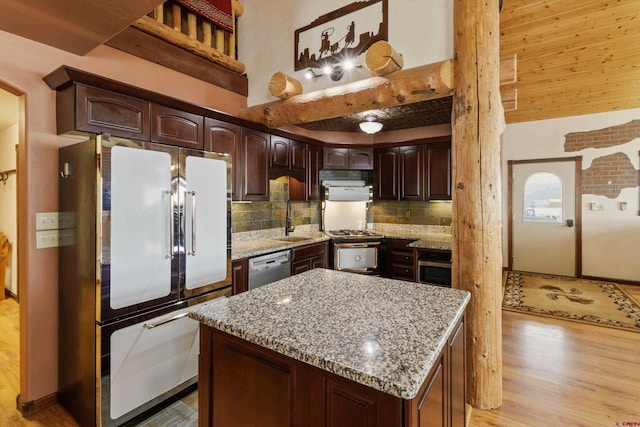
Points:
x=402, y=87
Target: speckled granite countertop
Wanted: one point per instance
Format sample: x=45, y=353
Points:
x=383, y=333
x=260, y=246
x=432, y=241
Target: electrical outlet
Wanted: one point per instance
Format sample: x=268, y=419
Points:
x=54, y=238
x=46, y=239
x=46, y=220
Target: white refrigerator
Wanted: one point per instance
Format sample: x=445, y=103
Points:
x=151, y=240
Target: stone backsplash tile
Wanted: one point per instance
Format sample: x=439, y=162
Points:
x=268, y=215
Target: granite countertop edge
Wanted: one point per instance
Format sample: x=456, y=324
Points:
x=264, y=246
x=404, y=390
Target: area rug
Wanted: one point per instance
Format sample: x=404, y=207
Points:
x=601, y=303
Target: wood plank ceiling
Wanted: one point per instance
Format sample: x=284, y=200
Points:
x=574, y=57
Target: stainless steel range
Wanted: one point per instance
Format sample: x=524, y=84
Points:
x=355, y=248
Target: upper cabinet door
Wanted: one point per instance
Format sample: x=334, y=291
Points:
x=336, y=158
x=175, y=127
x=387, y=173
x=279, y=155
x=223, y=137
x=439, y=171
x=298, y=155
x=361, y=158
x=314, y=164
x=254, y=159
x=412, y=172
x=101, y=111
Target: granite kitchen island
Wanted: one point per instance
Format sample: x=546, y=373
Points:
x=333, y=348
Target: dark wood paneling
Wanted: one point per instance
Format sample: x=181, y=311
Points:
x=298, y=155
x=279, y=153
x=222, y=137
x=457, y=378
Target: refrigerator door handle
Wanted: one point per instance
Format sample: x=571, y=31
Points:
x=170, y=253
x=165, y=321
x=193, y=222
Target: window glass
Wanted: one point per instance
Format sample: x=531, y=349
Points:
x=543, y=198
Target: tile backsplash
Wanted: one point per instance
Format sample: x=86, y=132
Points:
x=405, y=212
x=254, y=216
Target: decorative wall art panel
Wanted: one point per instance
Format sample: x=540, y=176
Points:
x=344, y=33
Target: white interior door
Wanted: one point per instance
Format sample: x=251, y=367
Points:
x=543, y=206
x=205, y=202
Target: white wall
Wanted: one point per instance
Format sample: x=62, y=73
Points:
x=610, y=237
x=8, y=202
x=421, y=30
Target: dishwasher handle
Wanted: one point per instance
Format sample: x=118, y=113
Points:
x=268, y=263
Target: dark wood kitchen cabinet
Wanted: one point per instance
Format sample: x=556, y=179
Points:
x=89, y=109
x=314, y=164
x=411, y=172
x=223, y=137
x=176, y=127
x=399, y=260
x=287, y=154
x=338, y=158
x=300, y=394
x=254, y=165
x=240, y=276
x=308, y=257
x=414, y=172
x=386, y=166
x=439, y=171
x=400, y=172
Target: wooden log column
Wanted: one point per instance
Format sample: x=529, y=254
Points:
x=477, y=252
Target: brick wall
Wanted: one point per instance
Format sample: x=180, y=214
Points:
x=608, y=175
x=601, y=138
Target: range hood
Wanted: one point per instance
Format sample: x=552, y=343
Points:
x=346, y=191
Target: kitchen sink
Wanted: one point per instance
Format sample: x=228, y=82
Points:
x=291, y=238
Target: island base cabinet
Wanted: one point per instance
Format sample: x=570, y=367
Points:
x=242, y=384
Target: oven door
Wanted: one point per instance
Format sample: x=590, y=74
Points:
x=434, y=273
x=356, y=257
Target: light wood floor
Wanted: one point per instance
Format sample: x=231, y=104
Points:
x=555, y=372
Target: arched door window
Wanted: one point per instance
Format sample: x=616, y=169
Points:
x=543, y=198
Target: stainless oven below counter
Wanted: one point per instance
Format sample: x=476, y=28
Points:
x=357, y=257
x=434, y=266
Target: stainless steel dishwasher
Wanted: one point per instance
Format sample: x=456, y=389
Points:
x=269, y=268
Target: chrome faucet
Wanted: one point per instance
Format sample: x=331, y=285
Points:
x=287, y=225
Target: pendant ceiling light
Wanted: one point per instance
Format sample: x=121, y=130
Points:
x=370, y=125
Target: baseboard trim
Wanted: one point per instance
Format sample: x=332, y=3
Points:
x=32, y=407
x=608, y=279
